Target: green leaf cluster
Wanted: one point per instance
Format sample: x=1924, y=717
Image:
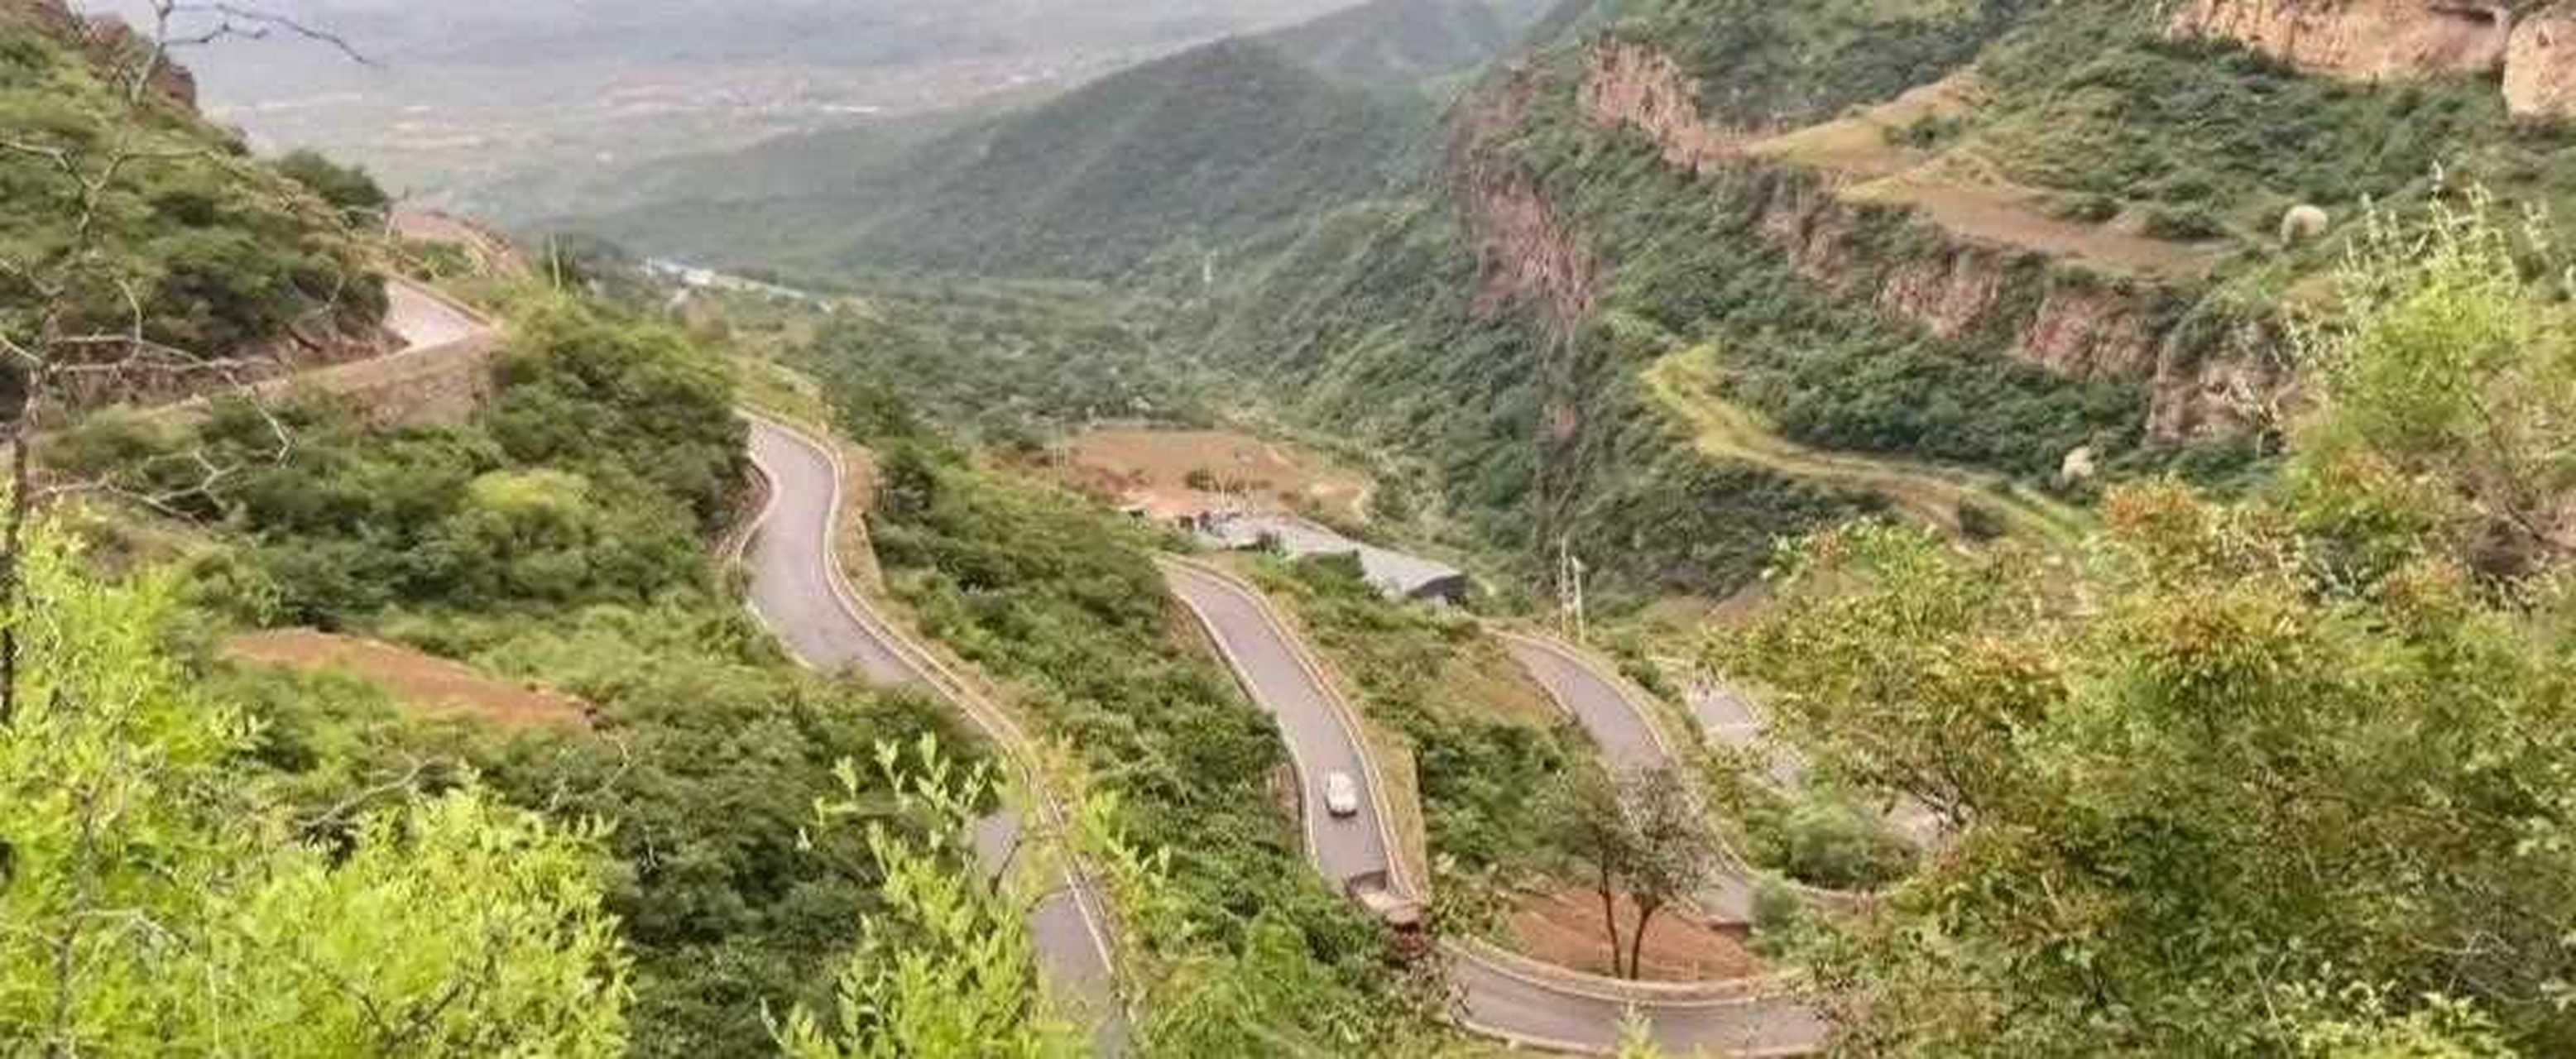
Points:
x=2288, y=776
x=161, y=899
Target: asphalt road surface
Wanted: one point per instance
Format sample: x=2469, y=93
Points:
x=1536, y=1011
x=1540, y=1009
x=422, y=320
x=1627, y=739
x=1343, y=848
x=794, y=592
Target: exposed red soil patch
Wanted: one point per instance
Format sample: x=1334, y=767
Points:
x=1152, y=468
x=1564, y=928
x=433, y=685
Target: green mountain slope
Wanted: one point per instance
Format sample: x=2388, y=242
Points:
x=2008, y=237
x=2038, y=245
x=220, y=252
x=1400, y=43
x=1203, y=148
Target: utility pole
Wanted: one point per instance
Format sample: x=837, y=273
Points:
x=1569, y=592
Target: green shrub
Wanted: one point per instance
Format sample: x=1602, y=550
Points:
x=348, y=187
x=2184, y=223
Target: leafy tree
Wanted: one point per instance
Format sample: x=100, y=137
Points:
x=2441, y=394
x=157, y=902
x=1584, y=824
x=1677, y=850
x=2224, y=778
x=348, y=187
x=583, y=391
x=707, y=754
x=1645, y=835
x=2287, y=777
x=949, y=967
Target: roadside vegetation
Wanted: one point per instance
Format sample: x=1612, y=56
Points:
x=559, y=536
x=1060, y=601
x=1009, y=365
x=166, y=891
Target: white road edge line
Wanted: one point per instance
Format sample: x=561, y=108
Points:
x=1564, y=981
x=996, y=727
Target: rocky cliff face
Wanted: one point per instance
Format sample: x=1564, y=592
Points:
x=1526, y=254
x=2071, y=326
x=1956, y=288
x=2366, y=40
x=2540, y=63
x=1638, y=86
x=111, y=43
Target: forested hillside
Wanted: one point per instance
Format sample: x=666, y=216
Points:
x=205, y=249
x=2024, y=238
x=2035, y=246
x=1196, y=151
x=2123, y=443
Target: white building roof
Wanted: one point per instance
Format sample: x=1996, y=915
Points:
x=1393, y=572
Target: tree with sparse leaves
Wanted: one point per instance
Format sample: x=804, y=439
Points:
x=1645, y=836
x=143, y=255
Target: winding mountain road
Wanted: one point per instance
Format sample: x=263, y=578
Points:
x=1498, y=994
x=797, y=590
x=1321, y=736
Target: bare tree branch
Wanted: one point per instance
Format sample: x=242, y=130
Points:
x=57, y=356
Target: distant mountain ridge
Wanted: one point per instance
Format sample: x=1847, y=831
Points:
x=1208, y=146
x=1398, y=43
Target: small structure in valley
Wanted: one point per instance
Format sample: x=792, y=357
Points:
x=1398, y=575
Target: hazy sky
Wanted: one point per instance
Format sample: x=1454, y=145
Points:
x=464, y=96
x=513, y=33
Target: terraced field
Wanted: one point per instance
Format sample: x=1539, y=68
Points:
x=1687, y=387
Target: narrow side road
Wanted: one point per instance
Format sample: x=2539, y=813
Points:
x=1499, y=995
x=798, y=592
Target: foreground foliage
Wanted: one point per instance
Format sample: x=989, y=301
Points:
x=2284, y=777
x=949, y=968
x=559, y=537
x=161, y=899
